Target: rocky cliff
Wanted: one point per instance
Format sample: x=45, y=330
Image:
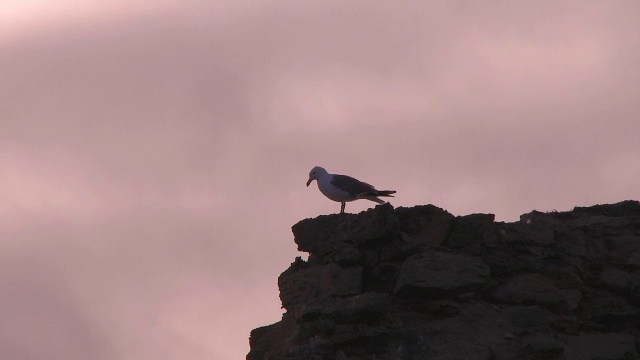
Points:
x=420, y=283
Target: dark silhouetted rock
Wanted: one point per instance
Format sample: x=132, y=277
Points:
x=615, y=279
x=602, y=347
x=419, y=283
x=536, y=289
x=424, y=225
x=440, y=273
x=472, y=229
x=301, y=284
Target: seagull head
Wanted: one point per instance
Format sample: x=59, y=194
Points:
x=315, y=173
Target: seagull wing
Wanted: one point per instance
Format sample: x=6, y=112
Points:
x=353, y=187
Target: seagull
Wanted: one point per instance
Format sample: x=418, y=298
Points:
x=343, y=188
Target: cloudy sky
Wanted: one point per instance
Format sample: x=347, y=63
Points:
x=154, y=153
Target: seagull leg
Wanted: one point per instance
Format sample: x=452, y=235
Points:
x=342, y=207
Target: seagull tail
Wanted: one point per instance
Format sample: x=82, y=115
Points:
x=373, y=198
x=385, y=193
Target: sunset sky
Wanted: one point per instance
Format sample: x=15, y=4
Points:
x=154, y=154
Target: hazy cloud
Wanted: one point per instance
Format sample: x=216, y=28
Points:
x=154, y=159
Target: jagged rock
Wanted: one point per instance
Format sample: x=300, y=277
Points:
x=316, y=236
x=634, y=288
x=626, y=251
x=615, y=279
x=273, y=339
x=419, y=283
x=366, y=306
x=622, y=209
x=540, y=347
x=300, y=284
x=529, y=316
x=610, y=310
x=313, y=235
x=531, y=230
x=424, y=225
x=535, y=289
x=472, y=229
x=374, y=224
x=610, y=346
x=439, y=273
x=562, y=277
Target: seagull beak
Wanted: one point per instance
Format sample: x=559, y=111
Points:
x=309, y=182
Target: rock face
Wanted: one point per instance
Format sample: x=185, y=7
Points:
x=420, y=283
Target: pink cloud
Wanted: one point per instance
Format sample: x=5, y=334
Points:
x=155, y=159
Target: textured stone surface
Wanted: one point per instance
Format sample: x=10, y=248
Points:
x=536, y=289
x=304, y=283
x=439, y=273
x=420, y=283
x=602, y=347
x=615, y=279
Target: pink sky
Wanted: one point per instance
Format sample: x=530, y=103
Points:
x=155, y=158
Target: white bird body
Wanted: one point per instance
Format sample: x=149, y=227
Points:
x=330, y=191
x=342, y=188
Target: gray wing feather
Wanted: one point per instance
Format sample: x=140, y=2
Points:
x=353, y=186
